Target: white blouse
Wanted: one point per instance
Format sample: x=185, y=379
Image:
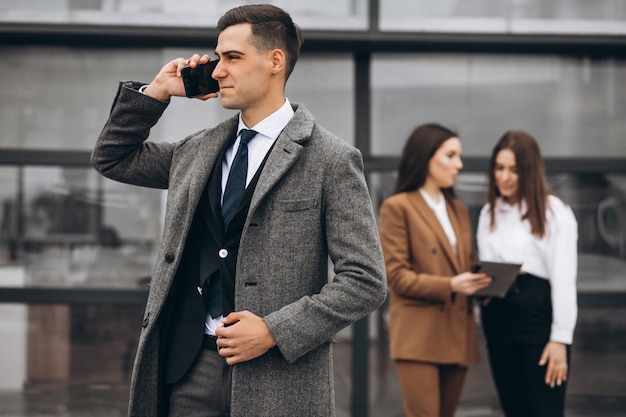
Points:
x=441, y=211
x=552, y=257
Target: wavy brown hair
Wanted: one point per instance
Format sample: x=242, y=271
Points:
x=419, y=148
x=532, y=186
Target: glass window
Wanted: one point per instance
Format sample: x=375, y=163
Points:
x=59, y=98
x=572, y=106
x=70, y=227
x=66, y=359
x=9, y=224
x=324, y=84
x=321, y=14
x=503, y=16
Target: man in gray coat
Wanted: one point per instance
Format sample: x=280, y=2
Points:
x=241, y=313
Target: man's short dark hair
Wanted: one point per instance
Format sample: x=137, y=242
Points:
x=272, y=28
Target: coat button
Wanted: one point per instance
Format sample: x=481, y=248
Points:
x=169, y=258
x=223, y=253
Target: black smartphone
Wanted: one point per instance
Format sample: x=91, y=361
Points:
x=198, y=80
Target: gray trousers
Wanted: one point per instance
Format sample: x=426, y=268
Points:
x=205, y=390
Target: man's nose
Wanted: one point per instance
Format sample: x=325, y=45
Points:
x=218, y=72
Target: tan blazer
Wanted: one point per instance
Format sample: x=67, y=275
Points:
x=428, y=322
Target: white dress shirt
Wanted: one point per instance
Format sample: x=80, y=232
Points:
x=268, y=131
x=552, y=257
x=441, y=211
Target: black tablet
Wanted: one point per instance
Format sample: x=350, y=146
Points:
x=502, y=274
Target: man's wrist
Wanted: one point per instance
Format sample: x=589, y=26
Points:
x=152, y=91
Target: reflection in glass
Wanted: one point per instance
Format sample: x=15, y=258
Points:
x=503, y=16
x=570, y=105
x=59, y=98
x=321, y=14
x=66, y=227
x=324, y=84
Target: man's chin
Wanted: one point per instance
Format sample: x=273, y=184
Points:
x=228, y=104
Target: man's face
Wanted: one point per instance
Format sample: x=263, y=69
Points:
x=243, y=72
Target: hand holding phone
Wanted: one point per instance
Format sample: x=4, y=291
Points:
x=198, y=81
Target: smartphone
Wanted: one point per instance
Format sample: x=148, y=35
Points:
x=198, y=81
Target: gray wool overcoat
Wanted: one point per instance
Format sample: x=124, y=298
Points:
x=310, y=204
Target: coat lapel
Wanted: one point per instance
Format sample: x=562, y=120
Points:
x=284, y=154
x=432, y=222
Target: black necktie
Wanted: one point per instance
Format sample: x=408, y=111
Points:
x=236, y=183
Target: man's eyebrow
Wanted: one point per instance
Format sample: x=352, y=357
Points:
x=233, y=51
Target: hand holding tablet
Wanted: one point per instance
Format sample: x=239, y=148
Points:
x=502, y=274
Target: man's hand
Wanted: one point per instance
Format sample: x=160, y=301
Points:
x=169, y=83
x=243, y=337
x=555, y=355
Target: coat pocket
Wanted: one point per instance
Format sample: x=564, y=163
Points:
x=295, y=205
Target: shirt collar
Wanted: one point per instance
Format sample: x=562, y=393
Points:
x=431, y=203
x=504, y=206
x=273, y=124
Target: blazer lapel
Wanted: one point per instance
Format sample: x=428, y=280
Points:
x=461, y=243
x=209, y=155
x=431, y=220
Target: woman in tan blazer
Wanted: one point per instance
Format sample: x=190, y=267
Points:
x=427, y=243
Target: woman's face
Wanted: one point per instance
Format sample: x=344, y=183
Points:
x=445, y=164
x=506, y=176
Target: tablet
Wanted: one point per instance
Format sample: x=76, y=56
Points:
x=502, y=274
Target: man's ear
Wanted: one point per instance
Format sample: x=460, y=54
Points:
x=278, y=61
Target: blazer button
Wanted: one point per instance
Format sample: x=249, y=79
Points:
x=169, y=258
x=223, y=253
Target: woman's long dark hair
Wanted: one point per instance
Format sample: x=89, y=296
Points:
x=419, y=148
x=532, y=186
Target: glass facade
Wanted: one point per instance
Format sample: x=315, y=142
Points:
x=77, y=249
x=505, y=16
x=321, y=14
x=572, y=106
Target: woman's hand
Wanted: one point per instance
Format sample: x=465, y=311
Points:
x=555, y=356
x=468, y=283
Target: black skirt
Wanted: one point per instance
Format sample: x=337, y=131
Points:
x=523, y=317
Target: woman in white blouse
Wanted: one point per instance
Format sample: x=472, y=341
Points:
x=529, y=332
x=428, y=246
